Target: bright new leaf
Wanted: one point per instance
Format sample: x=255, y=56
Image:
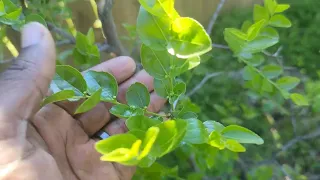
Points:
x=188, y=38
x=160, y=8
x=234, y=146
x=123, y=148
x=280, y=20
x=260, y=13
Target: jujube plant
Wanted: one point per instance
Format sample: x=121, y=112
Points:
x=171, y=46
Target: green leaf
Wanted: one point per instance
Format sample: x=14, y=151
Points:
x=138, y=95
x=271, y=5
x=248, y=73
x=90, y=103
x=234, y=146
x=213, y=126
x=272, y=71
x=279, y=20
x=162, y=87
x=90, y=36
x=216, y=140
x=125, y=111
x=102, y=80
x=288, y=82
x=256, y=60
x=178, y=90
x=241, y=134
x=59, y=96
x=170, y=135
x=35, y=18
x=196, y=132
x=281, y=8
x=181, y=65
x=86, y=52
x=260, y=13
x=123, y=148
x=160, y=7
x=153, y=31
x=141, y=122
x=188, y=38
x=156, y=63
x=81, y=43
x=187, y=115
x=266, y=86
x=68, y=78
x=255, y=29
x=236, y=39
x=222, y=110
x=267, y=38
x=11, y=18
x=256, y=82
x=299, y=99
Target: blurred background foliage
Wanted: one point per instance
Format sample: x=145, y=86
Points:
x=223, y=98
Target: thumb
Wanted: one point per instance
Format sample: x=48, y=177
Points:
x=26, y=81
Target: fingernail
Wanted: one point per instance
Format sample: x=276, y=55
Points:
x=32, y=34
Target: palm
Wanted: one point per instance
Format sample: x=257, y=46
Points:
x=67, y=151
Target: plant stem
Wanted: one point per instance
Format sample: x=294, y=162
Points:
x=155, y=114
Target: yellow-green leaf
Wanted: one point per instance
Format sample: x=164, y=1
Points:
x=255, y=29
x=279, y=20
x=234, y=146
x=282, y=7
x=260, y=13
x=299, y=99
x=188, y=38
x=148, y=141
x=160, y=7
x=216, y=140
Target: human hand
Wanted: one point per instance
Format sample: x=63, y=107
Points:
x=51, y=143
